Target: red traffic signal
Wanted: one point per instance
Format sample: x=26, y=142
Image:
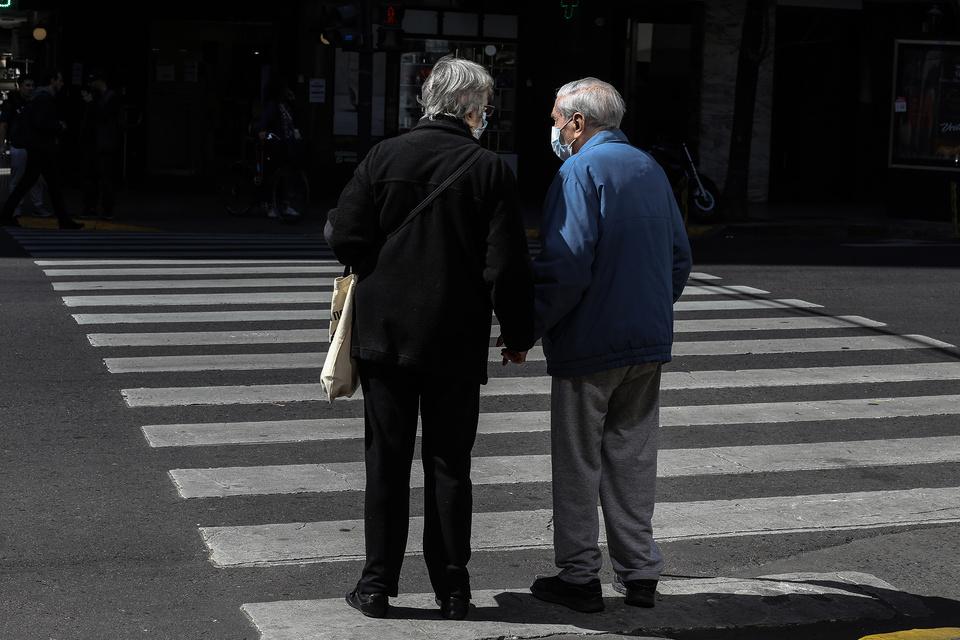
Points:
x=391, y=14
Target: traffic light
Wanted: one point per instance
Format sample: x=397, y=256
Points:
x=340, y=25
x=390, y=33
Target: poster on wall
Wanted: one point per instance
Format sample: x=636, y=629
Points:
x=345, y=93
x=925, y=129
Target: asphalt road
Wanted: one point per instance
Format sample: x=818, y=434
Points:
x=97, y=541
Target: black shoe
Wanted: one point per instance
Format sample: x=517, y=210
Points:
x=585, y=598
x=372, y=605
x=453, y=607
x=640, y=593
x=87, y=213
x=12, y=222
x=67, y=223
x=107, y=215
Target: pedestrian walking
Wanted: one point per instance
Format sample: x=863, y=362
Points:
x=614, y=259
x=42, y=140
x=10, y=113
x=422, y=321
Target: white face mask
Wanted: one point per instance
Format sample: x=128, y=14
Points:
x=479, y=131
x=563, y=151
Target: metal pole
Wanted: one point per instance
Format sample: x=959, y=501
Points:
x=365, y=88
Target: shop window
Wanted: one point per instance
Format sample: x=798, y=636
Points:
x=499, y=58
x=925, y=130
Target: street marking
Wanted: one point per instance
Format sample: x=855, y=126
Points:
x=314, y=360
x=341, y=541
x=298, y=282
x=796, y=377
x=812, y=411
x=516, y=469
x=540, y=385
x=739, y=305
x=772, y=413
x=185, y=261
x=787, y=323
x=194, y=338
x=324, y=314
x=804, y=345
x=223, y=362
x=777, y=601
x=276, y=315
x=199, y=299
x=261, y=269
x=203, y=338
x=182, y=435
x=224, y=283
x=716, y=290
x=266, y=252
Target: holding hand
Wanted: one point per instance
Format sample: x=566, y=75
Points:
x=509, y=355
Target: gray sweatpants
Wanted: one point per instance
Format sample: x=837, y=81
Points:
x=604, y=437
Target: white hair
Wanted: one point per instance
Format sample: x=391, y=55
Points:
x=599, y=102
x=455, y=87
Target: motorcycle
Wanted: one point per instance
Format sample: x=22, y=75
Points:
x=697, y=195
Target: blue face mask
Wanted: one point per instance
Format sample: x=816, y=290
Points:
x=563, y=151
x=479, y=132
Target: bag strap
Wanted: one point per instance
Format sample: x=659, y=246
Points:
x=436, y=192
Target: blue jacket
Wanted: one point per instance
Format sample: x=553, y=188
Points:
x=615, y=258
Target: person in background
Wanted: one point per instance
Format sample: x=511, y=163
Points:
x=43, y=158
x=100, y=135
x=9, y=113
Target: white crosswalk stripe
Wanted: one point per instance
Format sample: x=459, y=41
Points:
x=349, y=476
x=138, y=246
x=269, y=330
x=340, y=541
x=314, y=360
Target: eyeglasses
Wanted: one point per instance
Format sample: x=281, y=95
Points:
x=488, y=110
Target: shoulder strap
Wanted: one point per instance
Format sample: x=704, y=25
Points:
x=436, y=192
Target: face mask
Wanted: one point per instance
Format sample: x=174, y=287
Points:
x=479, y=132
x=563, y=151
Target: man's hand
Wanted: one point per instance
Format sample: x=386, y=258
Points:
x=509, y=355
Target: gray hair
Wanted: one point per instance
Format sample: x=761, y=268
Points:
x=599, y=102
x=454, y=88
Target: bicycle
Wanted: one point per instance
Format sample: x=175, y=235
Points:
x=287, y=188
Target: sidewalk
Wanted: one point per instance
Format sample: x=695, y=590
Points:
x=204, y=213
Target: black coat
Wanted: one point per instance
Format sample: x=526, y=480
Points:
x=45, y=125
x=424, y=299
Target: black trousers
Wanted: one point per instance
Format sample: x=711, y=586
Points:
x=99, y=180
x=449, y=410
x=38, y=163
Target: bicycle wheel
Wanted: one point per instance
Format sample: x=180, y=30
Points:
x=291, y=195
x=237, y=188
x=706, y=206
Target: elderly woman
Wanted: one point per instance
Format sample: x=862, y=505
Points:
x=421, y=333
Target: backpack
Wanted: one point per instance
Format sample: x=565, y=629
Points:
x=21, y=128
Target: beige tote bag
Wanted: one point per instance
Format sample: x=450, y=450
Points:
x=339, y=377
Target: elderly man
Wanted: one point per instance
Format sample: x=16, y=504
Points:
x=615, y=258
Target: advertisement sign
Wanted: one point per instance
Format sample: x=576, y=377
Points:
x=925, y=110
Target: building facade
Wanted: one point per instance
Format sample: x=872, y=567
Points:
x=834, y=114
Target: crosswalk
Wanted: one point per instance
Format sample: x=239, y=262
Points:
x=197, y=327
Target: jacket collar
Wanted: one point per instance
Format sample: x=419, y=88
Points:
x=607, y=135
x=445, y=123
